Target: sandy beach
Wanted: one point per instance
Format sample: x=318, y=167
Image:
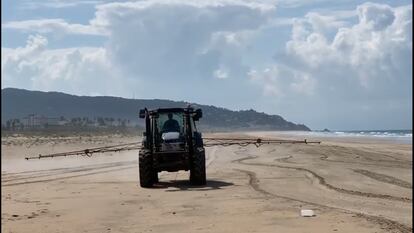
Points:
x=362, y=185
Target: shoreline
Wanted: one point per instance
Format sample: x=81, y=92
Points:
x=311, y=135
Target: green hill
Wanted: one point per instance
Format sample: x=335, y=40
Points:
x=18, y=103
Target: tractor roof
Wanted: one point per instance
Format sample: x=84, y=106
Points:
x=167, y=110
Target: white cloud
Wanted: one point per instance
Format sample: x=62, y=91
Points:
x=221, y=74
x=375, y=16
x=364, y=64
x=283, y=82
x=74, y=70
x=53, y=26
x=179, y=39
x=36, y=4
x=324, y=23
x=374, y=54
x=155, y=41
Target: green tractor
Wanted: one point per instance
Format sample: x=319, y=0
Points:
x=171, y=143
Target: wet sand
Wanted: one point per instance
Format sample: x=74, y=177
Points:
x=353, y=186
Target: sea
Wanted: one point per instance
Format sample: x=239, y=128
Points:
x=403, y=136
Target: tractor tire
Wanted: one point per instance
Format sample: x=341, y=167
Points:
x=146, y=173
x=155, y=177
x=198, y=167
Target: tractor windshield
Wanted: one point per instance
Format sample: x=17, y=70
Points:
x=170, y=122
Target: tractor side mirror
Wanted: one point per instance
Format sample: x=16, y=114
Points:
x=142, y=113
x=198, y=114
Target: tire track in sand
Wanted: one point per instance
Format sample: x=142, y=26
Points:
x=384, y=178
x=8, y=177
x=211, y=156
x=117, y=168
x=345, y=152
x=387, y=224
x=63, y=168
x=323, y=182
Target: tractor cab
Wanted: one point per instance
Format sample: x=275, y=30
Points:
x=170, y=131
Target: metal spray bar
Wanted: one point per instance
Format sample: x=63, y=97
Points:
x=249, y=141
x=90, y=151
x=208, y=142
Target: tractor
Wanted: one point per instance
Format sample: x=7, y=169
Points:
x=171, y=143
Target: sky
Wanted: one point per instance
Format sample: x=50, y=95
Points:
x=341, y=65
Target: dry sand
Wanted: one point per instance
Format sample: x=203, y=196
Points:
x=352, y=186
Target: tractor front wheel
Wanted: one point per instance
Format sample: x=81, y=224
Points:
x=155, y=177
x=198, y=168
x=146, y=173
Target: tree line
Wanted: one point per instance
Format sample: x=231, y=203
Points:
x=63, y=122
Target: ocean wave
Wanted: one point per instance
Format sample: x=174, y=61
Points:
x=391, y=134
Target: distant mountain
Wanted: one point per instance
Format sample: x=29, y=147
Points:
x=18, y=103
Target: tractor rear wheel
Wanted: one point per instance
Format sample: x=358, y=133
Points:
x=198, y=167
x=155, y=177
x=146, y=173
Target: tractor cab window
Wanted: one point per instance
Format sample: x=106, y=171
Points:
x=170, y=122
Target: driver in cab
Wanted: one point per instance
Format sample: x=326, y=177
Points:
x=170, y=125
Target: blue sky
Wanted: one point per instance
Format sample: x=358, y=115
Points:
x=328, y=64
